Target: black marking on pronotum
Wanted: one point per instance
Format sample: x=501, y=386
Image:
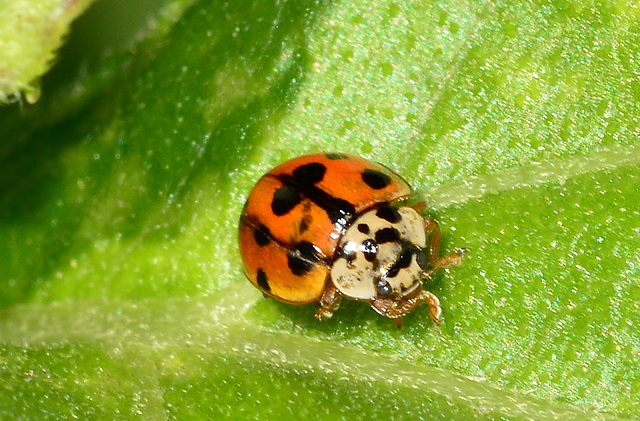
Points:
x=261, y=278
x=303, y=258
x=369, y=249
x=387, y=235
x=375, y=179
x=348, y=255
x=262, y=235
x=285, y=199
x=383, y=288
x=335, y=156
x=364, y=228
x=389, y=214
x=403, y=262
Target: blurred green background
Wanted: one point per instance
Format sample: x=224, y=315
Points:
x=121, y=289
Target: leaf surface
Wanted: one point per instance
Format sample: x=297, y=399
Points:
x=122, y=289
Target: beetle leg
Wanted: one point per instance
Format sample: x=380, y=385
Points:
x=453, y=259
x=398, y=322
x=329, y=302
x=396, y=310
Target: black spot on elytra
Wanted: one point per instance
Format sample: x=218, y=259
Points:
x=311, y=173
x=387, y=235
x=285, y=199
x=389, y=214
x=261, y=277
x=301, y=184
x=403, y=262
x=383, y=288
x=305, y=222
x=370, y=249
x=335, y=156
x=303, y=257
x=364, y=228
x=262, y=235
x=376, y=179
x=340, y=212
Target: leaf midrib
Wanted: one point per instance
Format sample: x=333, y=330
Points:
x=212, y=325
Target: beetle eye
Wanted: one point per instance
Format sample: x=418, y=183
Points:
x=422, y=260
x=383, y=288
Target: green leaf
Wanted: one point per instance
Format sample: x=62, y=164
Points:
x=30, y=32
x=122, y=291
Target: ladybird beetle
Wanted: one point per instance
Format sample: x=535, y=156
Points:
x=325, y=226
